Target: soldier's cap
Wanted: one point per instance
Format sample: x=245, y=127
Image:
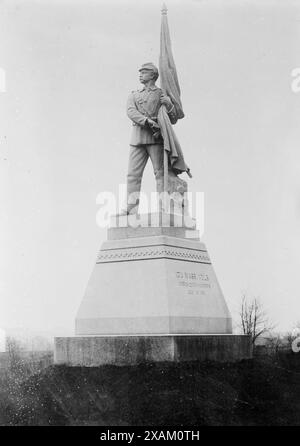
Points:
x=149, y=66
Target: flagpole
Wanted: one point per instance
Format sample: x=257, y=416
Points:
x=173, y=155
x=166, y=168
x=166, y=163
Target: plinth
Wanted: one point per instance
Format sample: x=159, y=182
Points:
x=153, y=296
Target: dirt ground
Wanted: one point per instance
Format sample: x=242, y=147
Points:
x=262, y=391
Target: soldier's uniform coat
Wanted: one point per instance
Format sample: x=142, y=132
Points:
x=143, y=104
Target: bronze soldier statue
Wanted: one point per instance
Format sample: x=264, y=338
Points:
x=146, y=140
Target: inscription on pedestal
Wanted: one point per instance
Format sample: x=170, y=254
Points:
x=194, y=283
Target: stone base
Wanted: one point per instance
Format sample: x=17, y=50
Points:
x=152, y=281
x=93, y=351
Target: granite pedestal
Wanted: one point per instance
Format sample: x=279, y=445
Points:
x=93, y=351
x=153, y=294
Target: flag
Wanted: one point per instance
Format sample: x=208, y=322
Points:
x=170, y=85
x=168, y=74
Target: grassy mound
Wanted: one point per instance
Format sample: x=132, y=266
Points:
x=261, y=391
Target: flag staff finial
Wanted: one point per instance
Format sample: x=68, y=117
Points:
x=164, y=9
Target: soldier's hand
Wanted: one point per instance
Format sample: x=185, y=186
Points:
x=152, y=124
x=165, y=100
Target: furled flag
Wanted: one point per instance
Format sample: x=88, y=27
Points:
x=170, y=85
x=168, y=74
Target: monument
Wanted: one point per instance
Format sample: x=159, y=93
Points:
x=153, y=294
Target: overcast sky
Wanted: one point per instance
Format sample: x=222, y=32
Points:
x=64, y=137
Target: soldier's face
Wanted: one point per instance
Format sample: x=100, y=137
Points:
x=146, y=76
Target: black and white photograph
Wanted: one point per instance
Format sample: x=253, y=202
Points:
x=150, y=216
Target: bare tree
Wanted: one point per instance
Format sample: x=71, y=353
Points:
x=290, y=337
x=253, y=318
x=275, y=343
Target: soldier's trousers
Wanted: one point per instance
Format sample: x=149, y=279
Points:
x=138, y=158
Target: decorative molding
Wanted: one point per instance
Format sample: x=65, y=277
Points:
x=146, y=253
